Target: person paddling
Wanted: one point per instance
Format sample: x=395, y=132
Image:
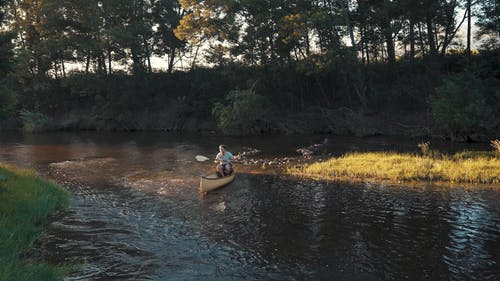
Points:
x=224, y=158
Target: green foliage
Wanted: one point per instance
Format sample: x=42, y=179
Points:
x=163, y=101
x=25, y=205
x=358, y=124
x=245, y=112
x=7, y=96
x=34, y=121
x=466, y=103
x=295, y=49
x=489, y=21
x=6, y=53
x=8, y=100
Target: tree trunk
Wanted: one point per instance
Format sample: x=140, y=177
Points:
x=87, y=65
x=136, y=61
x=469, y=4
x=436, y=40
x=363, y=59
x=110, y=68
x=148, y=54
x=367, y=49
x=452, y=35
x=171, y=60
x=430, y=35
x=102, y=63
x=412, y=38
x=308, y=44
x=349, y=25
x=193, y=63
x=63, y=67
x=56, y=69
x=150, y=69
x=391, y=52
x=421, y=37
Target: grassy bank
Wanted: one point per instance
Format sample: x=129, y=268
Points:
x=464, y=167
x=26, y=201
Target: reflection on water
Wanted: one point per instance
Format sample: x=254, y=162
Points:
x=135, y=214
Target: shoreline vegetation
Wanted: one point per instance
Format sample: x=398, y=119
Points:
x=468, y=167
x=440, y=97
x=244, y=68
x=26, y=203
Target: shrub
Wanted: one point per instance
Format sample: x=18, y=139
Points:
x=246, y=112
x=465, y=103
x=34, y=121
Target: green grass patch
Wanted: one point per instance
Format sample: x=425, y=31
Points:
x=465, y=167
x=26, y=202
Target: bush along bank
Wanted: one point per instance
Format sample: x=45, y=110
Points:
x=26, y=203
x=446, y=96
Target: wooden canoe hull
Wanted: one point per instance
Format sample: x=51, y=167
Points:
x=212, y=182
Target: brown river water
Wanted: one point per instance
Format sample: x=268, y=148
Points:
x=135, y=214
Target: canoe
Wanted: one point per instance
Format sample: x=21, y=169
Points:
x=212, y=182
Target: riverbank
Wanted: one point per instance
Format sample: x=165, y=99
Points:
x=315, y=120
x=466, y=167
x=26, y=202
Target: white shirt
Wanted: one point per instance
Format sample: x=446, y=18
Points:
x=224, y=158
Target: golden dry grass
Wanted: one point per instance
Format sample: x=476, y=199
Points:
x=465, y=167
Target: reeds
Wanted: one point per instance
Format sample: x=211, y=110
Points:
x=464, y=167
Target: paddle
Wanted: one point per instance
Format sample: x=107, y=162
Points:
x=201, y=158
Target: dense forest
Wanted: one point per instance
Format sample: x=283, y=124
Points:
x=353, y=67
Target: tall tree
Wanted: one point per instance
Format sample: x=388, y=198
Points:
x=203, y=21
x=166, y=16
x=430, y=8
x=448, y=21
x=386, y=17
x=28, y=25
x=7, y=99
x=469, y=24
x=5, y=44
x=411, y=14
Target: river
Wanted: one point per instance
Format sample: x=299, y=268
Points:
x=135, y=214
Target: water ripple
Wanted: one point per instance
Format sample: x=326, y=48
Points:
x=135, y=214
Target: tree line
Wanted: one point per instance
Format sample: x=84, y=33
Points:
x=111, y=35
x=285, y=56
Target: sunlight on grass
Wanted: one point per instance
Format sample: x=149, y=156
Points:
x=464, y=167
x=26, y=202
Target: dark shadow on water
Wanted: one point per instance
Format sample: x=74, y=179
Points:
x=276, y=228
